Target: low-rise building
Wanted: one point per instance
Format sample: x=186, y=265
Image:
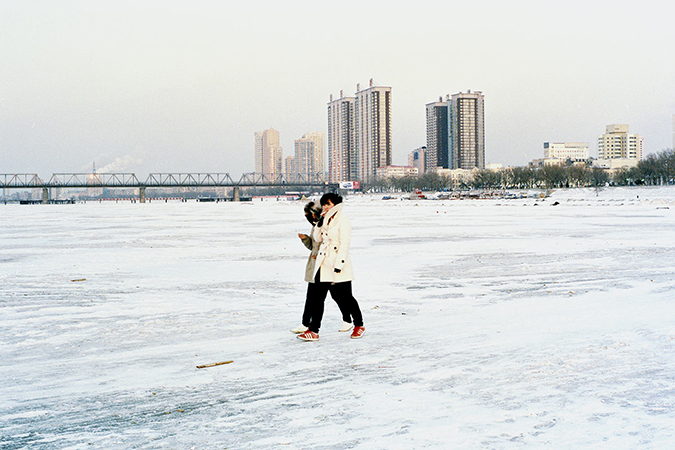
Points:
x=396, y=171
x=458, y=177
x=615, y=163
x=547, y=162
x=575, y=151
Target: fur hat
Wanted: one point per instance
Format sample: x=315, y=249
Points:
x=312, y=212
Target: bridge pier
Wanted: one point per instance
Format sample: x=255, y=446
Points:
x=45, y=196
x=141, y=194
x=236, y=195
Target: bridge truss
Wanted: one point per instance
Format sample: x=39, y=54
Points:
x=157, y=180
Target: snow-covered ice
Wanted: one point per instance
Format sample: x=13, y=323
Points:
x=491, y=324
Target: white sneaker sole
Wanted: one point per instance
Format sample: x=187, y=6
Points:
x=344, y=328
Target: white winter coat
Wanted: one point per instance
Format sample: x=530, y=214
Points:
x=313, y=246
x=333, y=239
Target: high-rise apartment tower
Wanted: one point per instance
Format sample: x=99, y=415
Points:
x=466, y=130
x=359, y=134
x=341, y=151
x=268, y=153
x=437, y=135
x=309, y=161
x=372, y=130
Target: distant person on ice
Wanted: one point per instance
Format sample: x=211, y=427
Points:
x=313, y=215
x=332, y=271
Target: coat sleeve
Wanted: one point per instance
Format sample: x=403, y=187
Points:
x=309, y=240
x=345, y=236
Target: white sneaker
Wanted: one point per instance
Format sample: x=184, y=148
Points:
x=299, y=330
x=346, y=326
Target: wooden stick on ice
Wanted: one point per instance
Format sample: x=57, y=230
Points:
x=214, y=364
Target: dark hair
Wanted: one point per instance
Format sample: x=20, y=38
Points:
x=332, y=197
x=312, y=212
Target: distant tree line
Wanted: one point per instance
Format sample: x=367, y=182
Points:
x=655, y=169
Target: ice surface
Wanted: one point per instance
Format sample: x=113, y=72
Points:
x=495, y=324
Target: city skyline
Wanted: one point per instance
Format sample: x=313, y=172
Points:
x=136, y=88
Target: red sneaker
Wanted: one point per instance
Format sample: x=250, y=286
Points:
x=358, y=332
x=309, y=336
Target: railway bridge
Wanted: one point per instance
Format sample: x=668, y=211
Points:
x=160, y=180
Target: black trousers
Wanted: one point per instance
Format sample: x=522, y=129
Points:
x=316, y=297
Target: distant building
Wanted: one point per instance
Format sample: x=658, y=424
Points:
x=372, y=130
x=309, y=161
x=466, y=129
x=341, y=148
x=617, y=143
x=437, y=135
x=614, y=164
x=575, y=151
x=458, y=177
x=268, y=153
x=396, y=171
x=317, y=164
x=290, y=167
x=547, y=162
x=417, y=158
x=359, y=134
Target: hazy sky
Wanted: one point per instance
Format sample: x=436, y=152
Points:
x=181, y=86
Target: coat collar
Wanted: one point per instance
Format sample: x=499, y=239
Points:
x=332, y=212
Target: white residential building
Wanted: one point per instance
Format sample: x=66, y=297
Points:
x=618, y=143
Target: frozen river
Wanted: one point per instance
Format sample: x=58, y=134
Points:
x=491, y=324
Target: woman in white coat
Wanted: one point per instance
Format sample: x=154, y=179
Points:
x=313, y=215
x=332, y=269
